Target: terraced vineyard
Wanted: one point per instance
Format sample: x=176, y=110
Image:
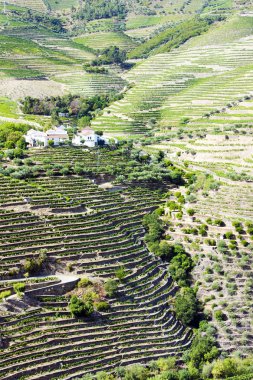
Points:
x=114, y=257
x=95, y=231
x=217, y=227
x=187, y=83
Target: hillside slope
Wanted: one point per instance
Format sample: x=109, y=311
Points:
x=188, y=82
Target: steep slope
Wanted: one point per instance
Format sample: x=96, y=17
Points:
x=187, y=82
x=139, y=325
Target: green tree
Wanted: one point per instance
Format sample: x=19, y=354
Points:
x=136, y=372
x=186, y=306
x=225, y=368
x=80, y=308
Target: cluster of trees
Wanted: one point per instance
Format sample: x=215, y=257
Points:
x=153, y=169
x=81, y=308
x=180, y=265
x=180, y=262
x=53, y=23
x=22, y=172
x=200, y=362
x=75, y=105
x=110, y=55
x=186, y=305
x=11, y=135
x=93, y=10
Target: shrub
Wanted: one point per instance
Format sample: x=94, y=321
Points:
x=19, y=288
x=136, y=372
x=229, y=235
x=219, y=315
x=102, y=306
x=111, y=287
x=84, y=282
x=51, y=143
x=80, y=308
x=225, y=368
x=120, y=273
x=4, y=294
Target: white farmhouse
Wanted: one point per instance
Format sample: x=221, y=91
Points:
x=88, y=138
x=38, y=138
x=57, y=135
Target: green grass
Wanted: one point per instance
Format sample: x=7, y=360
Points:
x=103, y=40
x=227, y=31
x=8, y=108
x=59, y=5
x=141, y=21
x=18, y=46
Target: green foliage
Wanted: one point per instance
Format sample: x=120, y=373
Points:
x=186, y=305
x=80, y=308
x=225, y=368
x=11, y=135
x=120, y=273
x=111, y=287
x=55, y=24
x=19, y=288
x=34, y=265
x=203, y=347
x=84, y=282
x=104, y=376
x=154, y=226
x=51, y=143
x=102, y=306
x=93, y=10
x=77, y=106
x=110, y=55
x=4, y=294
x=180, y=267
x=136, y=372
x=171, y=38
x=220, y=316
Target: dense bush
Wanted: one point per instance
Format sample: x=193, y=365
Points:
x=80, y=308
x=110, y=55
x=4, y=294
x=75, y=105
x=102, y=306
x=180, y=267
x=98, y=9
x=84, y=282
x=11, y=135
x=186, y=305
x=111, y=287
x=204, y=348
